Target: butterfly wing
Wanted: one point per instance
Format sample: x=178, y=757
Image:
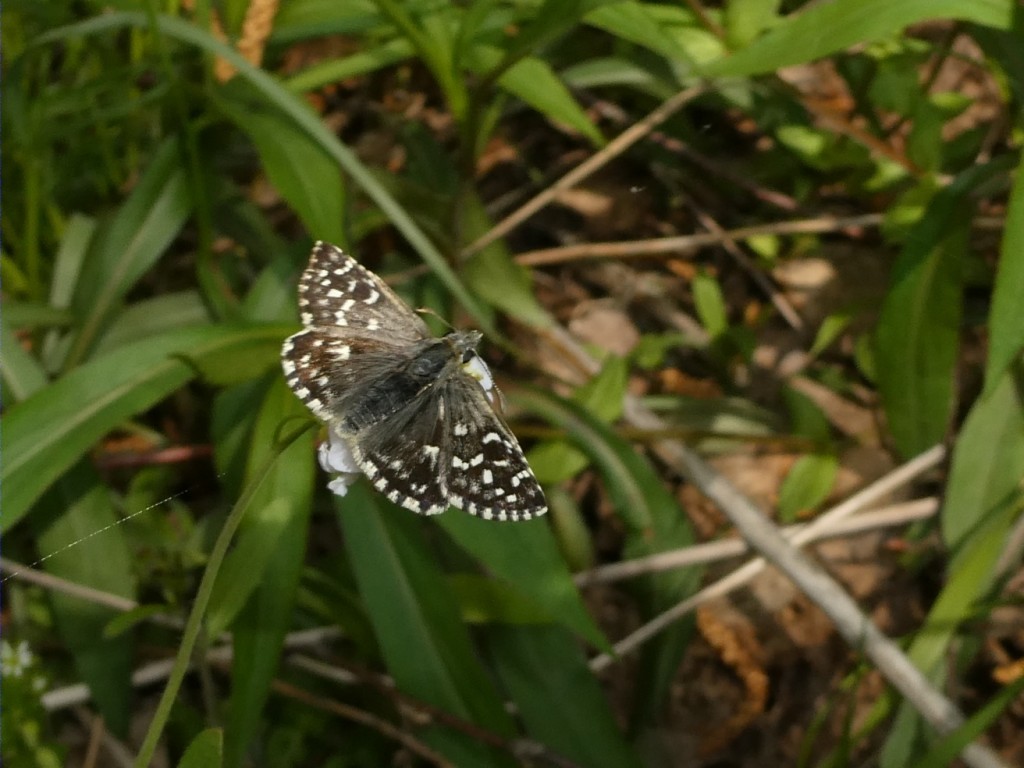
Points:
x=337, y=292
x=348, y=312
x=484, y=470
x=402, y=456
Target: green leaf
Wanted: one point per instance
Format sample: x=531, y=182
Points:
x=416, y=620
x=535, y=83
x=22, y=374
x=1006, y=320
x=744, y=20
x=74, y=509
x=917, y=336
x=130, y=244
x=707, y=296
x=603, y=396
x=49, y=431
x=276, y=530
x=826, y=28
x=494, y=276
x=807, y=484
x=987, y=463
x=299, y=168
x=380, y=56
x=488, y=601
x=948, y=749
x=542, y=664
x=641, y=24
x=245, y=564
x=527, y=559
x=205, y=751
x=150, y=317
x=970, y=577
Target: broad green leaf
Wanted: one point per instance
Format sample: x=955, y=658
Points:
x=34, y=314
x=67, y=265
x=300, y=19
x=535, y=83
x=1006, y=320
x=488, y=601
x=710, y=304
x=807, y=484
x=22, y=374
x=73, y=509
x=604, y=395
x=296, y=165
x=130, y=244
x=527, y=559
x=826, y=28
x=640, y=24
x=744, y=20
x=205, y=751
x=917, y=336
x=49, y=431
x=415, y=616
x=153, y=316
x=277, y=528
x=988, y=461
x=543, y=664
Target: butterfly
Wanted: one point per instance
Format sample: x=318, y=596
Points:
x=413, y=412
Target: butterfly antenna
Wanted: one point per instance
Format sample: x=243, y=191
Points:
x=429, y=311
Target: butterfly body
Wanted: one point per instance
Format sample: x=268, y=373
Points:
x=411, y=407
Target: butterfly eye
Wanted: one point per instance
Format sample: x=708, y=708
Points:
x=422, y=366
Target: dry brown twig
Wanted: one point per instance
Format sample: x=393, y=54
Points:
x=364, y=718
x=596, y=161
x=685, y=243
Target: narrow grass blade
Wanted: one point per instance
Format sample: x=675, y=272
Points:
x=416, y=619
x=1006, y=320
x=540, y=665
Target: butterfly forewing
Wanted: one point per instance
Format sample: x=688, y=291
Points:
x=337, y=292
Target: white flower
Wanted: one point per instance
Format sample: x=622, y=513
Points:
x=337, y=460
x=15, y=660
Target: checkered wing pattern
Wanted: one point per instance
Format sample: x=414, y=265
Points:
x=338, y=293
x=485, y=471
x=417, y=421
